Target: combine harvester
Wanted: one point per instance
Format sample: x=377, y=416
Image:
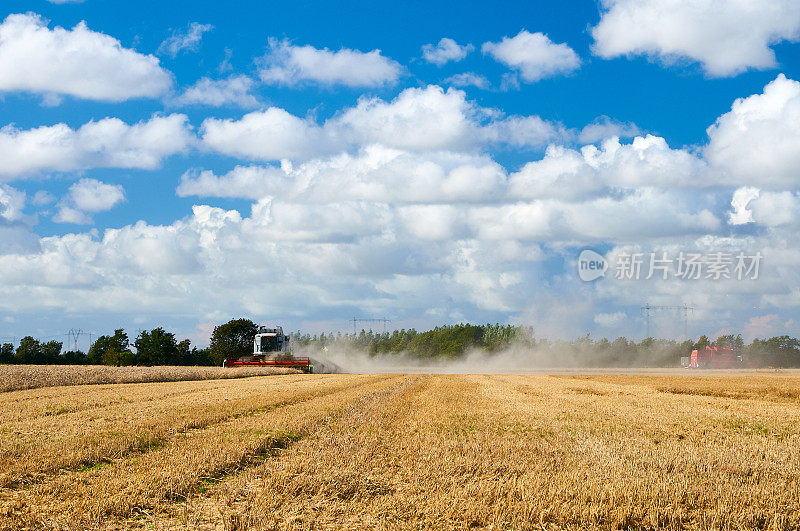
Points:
x=715, y=358
x=271, y=349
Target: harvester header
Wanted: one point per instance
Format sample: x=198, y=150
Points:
x=271, y=348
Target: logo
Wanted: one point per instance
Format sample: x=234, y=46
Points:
x=591, y=265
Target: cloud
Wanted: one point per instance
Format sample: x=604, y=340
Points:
x=444, y=51
x=604, y=127
x=272, y=134
x=756, y=142
x=347, y=253
x=184, y=40
x=522, y=132
x=232, y=91
x=78, y=62
x=418, y=119
x=760, y=327
x=636, y=216
x=470, y=197
x=376, y=173
x=403, y=207
x=107, y=143
x=771, y=209
x=645, y=162
x=533, y=55
x=68, y=214
x=42, y=198
x=91, y=195
x=468, y=79
x=726, y=38
x=286, y=64
x=12, y=202
x=610, y=320
x=15, y=225
x=88, y=195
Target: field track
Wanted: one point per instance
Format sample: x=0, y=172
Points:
x=407, y=451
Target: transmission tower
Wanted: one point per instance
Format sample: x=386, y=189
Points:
x=381, y=320
x=685, y=308
x=72, y=338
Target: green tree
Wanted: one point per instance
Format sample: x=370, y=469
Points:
x=156, y=347
x=702, y=343
x=28, y=351
x=186, y=354
x=781, y=351
x=74, y=357
x=734, y=342
x=51, y=352
x=233, y=339
x=202, y=356
x=6, y=353
x=111, y=350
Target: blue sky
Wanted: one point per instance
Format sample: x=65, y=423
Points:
x=373, y=180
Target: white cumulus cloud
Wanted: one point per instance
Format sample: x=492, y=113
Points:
x=286, y=64
x=376, y=173
x=418, y=119
x=444, y=51
x=398, y=206
x=88, y=196
x=68, y=214
x=77, y=62
x=533, y=55
x=107, y=143
x=272, y=134
x=645, y=162
x=756, y=143
x=235, y=90
x=91, y=195
x=12, y=202
x=726, y=38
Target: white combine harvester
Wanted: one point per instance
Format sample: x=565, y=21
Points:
x=271, y=348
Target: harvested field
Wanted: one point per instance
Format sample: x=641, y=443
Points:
x=18, y=377
x=406, y=451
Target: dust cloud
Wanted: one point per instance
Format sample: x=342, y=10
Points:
x=515, y=359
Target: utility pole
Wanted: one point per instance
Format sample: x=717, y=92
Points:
x=356, y=320
x=685, y=308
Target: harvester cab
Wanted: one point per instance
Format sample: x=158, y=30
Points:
x=271, y=348
x=270, y=341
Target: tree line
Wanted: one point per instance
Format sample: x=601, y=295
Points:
x=449, y=341
x=235, y=339
x=455, y=341
x=150, y=347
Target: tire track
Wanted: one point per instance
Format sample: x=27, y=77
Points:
x=32, y=463
x=188, y=463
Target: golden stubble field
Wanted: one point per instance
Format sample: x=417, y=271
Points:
x=17, y=377
x=693, y=450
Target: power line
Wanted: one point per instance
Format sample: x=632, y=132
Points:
x=381, y=320
x=74, y=334
x=648, y=308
